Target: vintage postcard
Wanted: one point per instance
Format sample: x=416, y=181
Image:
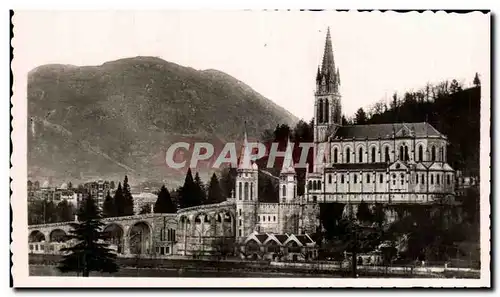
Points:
x=251, y=149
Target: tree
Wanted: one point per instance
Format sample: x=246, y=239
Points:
x=200, y=189
x=228, y=181
x=128, y=205
x=145, y=209
x=477, y=81
x=109, y=207
x=70, y=185
x=360, y=117
x=364, y=214
x=455, y=86
x=214, y=191
x=164, y=202
x=379, y=214
x=189, y=194
x=119, y=201
x=65, y=211
x=89, y=253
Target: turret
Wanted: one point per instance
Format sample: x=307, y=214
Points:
x=288, y=180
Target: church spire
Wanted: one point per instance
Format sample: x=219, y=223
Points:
x=328, y=65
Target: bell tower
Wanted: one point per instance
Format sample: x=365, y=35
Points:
x=327, y=99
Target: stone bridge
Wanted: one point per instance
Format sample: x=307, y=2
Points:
x=189, y=231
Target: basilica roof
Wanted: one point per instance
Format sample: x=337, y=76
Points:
x=387, y=131
x=360, y=166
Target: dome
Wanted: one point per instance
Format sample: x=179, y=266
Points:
x=64, y=186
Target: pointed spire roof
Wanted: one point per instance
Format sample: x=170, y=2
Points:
x=288, y=166
x=328, y=65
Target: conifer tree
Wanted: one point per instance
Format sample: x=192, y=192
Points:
x=108, y=207
x=188, y=192
x=477, y=81
x=164, y=202
x=119, y=201
x=228, y=181
x=200, y=189
x=89, y=253
x=214, y=191
x=64, y=211
x=128, y=206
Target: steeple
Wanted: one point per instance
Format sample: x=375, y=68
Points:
x=328, y=65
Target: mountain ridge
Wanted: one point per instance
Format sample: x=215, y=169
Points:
x=129, y=110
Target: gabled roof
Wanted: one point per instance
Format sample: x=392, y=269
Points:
x=387, y=131
x=261, y=237
x=447, y=167
x=398, y=165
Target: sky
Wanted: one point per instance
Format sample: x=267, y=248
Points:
x=276, y=53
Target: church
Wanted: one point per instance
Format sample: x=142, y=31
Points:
x=398, y=163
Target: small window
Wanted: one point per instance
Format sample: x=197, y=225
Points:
x=432, y=179
x=167, y=250
x=268, y=218
x=239, y=232
x=240, y=222
x=329, y=178
x=263, y=218
x=381, y=178
x=341, y=178
x=393, y=179
x=448, y=179
x=274, y=218
x=416, y=179
x=423, y=178
x=258, y=219
x=239, y=211
x=368, y=178
x=355, y=178
x=437, y=178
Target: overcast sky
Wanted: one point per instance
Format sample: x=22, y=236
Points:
x=276, y=53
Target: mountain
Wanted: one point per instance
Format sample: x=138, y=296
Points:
x=120, y=117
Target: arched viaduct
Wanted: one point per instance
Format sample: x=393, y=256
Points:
x=190, y=230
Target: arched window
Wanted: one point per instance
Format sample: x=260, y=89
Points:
x=416, y=179
x=441, y=154
x=348, y=155
x=327, y=111
x=373, y=155
x=315, y=185
x=251, y=191
x=387, y=157
x=420, y=153
x=246, y=191
x=401, y=153
x=433, y=153
x=335, y=157
x=432, y=179
x=284, y=191
x=329, y=178
x=402, y=179
x=319, y=185
x=393, y=179
x=368, y=178
x=294, y=191
x=437, y=178
x=423, y=178
x=309, y=185
x=355, y=178
x=239, y=191
x=448, y=180
x=320, y=111
x=342, y=178
x=407, y=156
x=381, y=178
x=360, y=155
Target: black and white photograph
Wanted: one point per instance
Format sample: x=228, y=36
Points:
x=251, y=148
